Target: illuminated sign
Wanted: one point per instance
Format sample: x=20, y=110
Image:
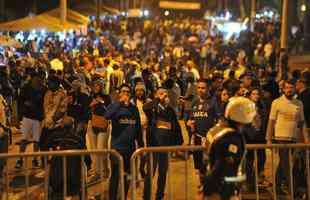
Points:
x=178, y=5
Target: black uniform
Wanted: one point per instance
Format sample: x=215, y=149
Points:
x=226, y=149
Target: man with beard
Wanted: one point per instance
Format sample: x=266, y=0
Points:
x=164, y=131
x=285, y=126
x=202, y=117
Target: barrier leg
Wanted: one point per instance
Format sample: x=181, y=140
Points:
x=256, y=174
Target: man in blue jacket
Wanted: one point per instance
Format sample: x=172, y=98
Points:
x=126, y=130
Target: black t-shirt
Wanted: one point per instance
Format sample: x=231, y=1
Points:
x=204, y=114
x=31, y=100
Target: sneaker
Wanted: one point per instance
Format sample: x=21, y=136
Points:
x=35, y=163
x=19, y=164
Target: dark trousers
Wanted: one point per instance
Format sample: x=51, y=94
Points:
x=282, y=173
x=114, y=181
x=3, y=149
x=250, y=163
x=198, y=157
x=160, y=161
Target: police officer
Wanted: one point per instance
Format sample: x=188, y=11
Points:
x=126, y=130
x=226, y=150
x=164, y=131
x=202, y=117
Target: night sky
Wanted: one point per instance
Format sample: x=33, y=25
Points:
x=21, y=8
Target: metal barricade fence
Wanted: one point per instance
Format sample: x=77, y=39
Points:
x=152, y=151
x=65, y=156
x=149, y=153
x=292, y=149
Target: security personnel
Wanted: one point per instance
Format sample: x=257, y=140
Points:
x=126, y=130
x=202, y=117
x=164, y=131
x=226, y=150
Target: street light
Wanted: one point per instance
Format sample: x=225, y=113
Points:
x=303, y=8
x=167, y=13
x=146, y=13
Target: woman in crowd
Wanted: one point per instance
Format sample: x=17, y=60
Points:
x=256, y=133
x=98, y=137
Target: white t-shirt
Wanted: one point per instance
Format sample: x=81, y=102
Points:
x=143, y=117
x=287, y=114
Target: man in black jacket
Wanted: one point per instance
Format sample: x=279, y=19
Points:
x=31, y=99
x=164, y=131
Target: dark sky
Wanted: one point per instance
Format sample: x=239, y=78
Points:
x=21, y=8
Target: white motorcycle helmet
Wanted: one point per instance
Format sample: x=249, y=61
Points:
x=240, y=109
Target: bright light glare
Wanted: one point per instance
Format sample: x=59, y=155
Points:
x=61, y=35
x=227, y=15
x=43, y=32
x=146, y=13
x=20, y=36
x=303, y=8
x=232, y=28
x=167, y=13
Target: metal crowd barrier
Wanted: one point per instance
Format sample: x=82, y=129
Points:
x=150, y=158
x=149, y=153
x=291, y=149
x=187, y=149
x=65, y=155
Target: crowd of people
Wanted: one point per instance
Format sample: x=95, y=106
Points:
x=133, y=80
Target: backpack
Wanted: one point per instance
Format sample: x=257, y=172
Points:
x=63, y=139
